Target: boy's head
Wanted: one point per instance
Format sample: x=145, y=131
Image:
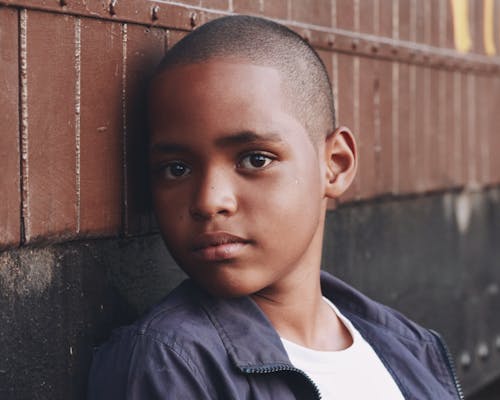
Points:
x=263, y=42
x=239, y=187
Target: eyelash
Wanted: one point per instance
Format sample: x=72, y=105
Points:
x=167, y=173
x=269, y=158
x=164, y=169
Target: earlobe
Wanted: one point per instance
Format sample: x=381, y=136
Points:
x=341, y=161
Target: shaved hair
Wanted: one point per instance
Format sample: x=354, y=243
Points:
x=263, y=42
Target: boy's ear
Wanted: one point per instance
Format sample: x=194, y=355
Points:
x=341, y=161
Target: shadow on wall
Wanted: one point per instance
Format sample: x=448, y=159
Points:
x=57, y=302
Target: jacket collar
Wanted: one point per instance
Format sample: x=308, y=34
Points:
x=247, y=334
x=240, y=321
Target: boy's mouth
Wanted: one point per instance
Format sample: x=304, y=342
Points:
x=218, y=246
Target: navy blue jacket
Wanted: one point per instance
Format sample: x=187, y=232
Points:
x=195, y=346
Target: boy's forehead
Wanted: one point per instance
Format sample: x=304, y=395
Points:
x=218, y=69
x=222, y=84
x=221, y=98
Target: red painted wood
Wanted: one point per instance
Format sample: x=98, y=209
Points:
x=345, y=107
x=345, y=14
x=51, y=160
x=367, y=177
x=269, y=8
x=384, y=164
x=145, y=47
x=101, y=128
x=317, y=12
x=10, y=197
x=406, y=178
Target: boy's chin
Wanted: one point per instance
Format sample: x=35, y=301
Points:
x=227, y=289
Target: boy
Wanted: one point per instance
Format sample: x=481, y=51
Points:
x=244, y=157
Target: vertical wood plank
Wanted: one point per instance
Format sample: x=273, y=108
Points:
x=419, y=129
x=145, y=48
x=10, y=197
x=385, y=18
x=317, y=12
x=450, y=39
x=434, y=19
x=419, y=21
x=476, y=26
x=345, y=106
x=427, y=134
x=100, y=127
x=445, y=149
x=51, y=164
x=484, y=116
x=472, y=132
x=345, y=14
x=395, y=125
x=405, y=175
x=269, y=8
x=173, y=37
x=495, y=134
x=367, y=178
x=404, y=7
x=367, y=16
x=453, y=139
x=464, y=121
x=385, y=163
x=412, y=126
x=435, y=136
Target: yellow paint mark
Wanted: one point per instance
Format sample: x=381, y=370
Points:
x=488, y=31
x=461, y=30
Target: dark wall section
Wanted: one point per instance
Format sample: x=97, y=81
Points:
x=57, y=302
x=433, y=257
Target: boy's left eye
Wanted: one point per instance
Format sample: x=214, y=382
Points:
x=255, y=161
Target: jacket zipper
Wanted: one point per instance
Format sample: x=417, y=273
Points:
x=280, y=368
x=449, y=363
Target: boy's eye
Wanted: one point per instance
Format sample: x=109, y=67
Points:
x=175, y=170
x=255, y=161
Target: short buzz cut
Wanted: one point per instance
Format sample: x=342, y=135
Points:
x=263, y=42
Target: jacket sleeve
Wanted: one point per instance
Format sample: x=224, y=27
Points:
x=138, y=367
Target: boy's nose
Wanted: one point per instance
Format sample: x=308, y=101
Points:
x=214, y=196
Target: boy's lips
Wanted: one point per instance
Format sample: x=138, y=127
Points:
x=218, y=246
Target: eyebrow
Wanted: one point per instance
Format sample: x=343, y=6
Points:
x=245, y=137
x=238, y=138
x=168, y=148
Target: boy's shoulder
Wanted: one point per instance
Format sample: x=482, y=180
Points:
x=178, y=312
x=178, y=319
x=363, y=310
x=194, y=324
x=194, y=338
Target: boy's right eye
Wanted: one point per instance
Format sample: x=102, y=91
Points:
x=175, y=170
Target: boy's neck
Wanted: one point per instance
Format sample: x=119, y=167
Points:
x=300, y=315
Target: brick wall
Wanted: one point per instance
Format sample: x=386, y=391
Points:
x=79, y=255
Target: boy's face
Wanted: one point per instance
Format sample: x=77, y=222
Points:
x=238, y=185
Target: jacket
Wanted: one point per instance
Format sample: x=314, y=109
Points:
x=195, y=346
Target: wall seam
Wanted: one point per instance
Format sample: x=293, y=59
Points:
x=124, y=128
x=78, y=77
x=23, y=101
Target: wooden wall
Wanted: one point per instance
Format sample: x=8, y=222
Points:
x=72, y=73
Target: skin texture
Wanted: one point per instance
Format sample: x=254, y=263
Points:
x=240, y=191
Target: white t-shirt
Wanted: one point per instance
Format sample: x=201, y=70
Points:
x=353, y=373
